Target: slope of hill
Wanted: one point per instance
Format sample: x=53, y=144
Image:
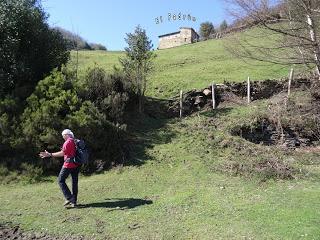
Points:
x=189, y=178
x=183, y=186
x=189, y=66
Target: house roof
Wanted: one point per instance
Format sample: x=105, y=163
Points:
x=168, y=34
x=173, y=33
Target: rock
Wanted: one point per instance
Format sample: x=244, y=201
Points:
x=206, y=92
x=199, y=99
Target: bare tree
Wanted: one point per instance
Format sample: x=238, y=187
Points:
x=290, y=31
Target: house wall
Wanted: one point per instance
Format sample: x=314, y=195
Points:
x=169, y=41
x=186, y=36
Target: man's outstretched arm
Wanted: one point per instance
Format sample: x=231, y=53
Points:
x=47, y=154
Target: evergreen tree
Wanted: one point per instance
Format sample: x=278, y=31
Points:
x=29, y=49
x=137, y=64
x=206, y=29
x=223, y=26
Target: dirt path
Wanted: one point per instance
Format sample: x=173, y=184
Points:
x=15, y=232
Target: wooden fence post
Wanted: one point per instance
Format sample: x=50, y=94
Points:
x=213, y=96
x=181, y=104
x=248, y=91
x=290, y=80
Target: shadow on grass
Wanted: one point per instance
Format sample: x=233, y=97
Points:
x=148, y=129
x=117, y=203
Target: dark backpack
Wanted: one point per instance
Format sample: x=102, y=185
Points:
x=82, y=153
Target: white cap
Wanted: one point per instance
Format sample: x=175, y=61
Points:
x=67, y=132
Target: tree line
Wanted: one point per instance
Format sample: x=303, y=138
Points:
x=208, y=31
x=76, y=42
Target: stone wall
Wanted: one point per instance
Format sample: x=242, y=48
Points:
x=185, y=36
x=169, y=41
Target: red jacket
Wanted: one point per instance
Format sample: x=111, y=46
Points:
x=69, y=150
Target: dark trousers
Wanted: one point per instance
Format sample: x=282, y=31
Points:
x=64, y=173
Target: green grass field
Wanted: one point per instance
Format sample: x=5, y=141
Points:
x=190, y=66
x=179, y=185
x=177, y=191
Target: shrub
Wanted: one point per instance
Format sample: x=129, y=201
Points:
x=27, y=173
x=46, y=111
x=55, y=105
x=103, y=139
x=8, y=127
x=31, y=173
x=7, y=176
x=110, y=93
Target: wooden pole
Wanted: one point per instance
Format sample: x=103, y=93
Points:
x=290, y=80
x=213, y=96
x=248, y=91
x=181, y=104
x=77, y=64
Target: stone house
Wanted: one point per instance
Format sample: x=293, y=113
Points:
x=184, y=36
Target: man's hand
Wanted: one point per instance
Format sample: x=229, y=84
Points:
x=45, y=154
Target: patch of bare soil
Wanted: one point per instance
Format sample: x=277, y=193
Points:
x=275, y=168
x=272, y=168
x=309, y=149
x=7, y=231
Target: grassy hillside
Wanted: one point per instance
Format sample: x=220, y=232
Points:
x=181, y=188
x=188, y=178
x=189, y=66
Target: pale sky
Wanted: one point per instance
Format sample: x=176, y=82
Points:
x=108, y=21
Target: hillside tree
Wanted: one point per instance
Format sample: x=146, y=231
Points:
x=290, y=27
x=138, y=61
x=206, y=29
x=223, y=26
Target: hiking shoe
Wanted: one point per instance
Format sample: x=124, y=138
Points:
x=67, y=202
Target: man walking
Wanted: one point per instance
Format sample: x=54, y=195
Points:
x=68, y=152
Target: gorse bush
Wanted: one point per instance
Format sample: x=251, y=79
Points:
x=47, y=110
x=55, y=105
x=93, y=111
x=110, y=93
x=104, y=139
